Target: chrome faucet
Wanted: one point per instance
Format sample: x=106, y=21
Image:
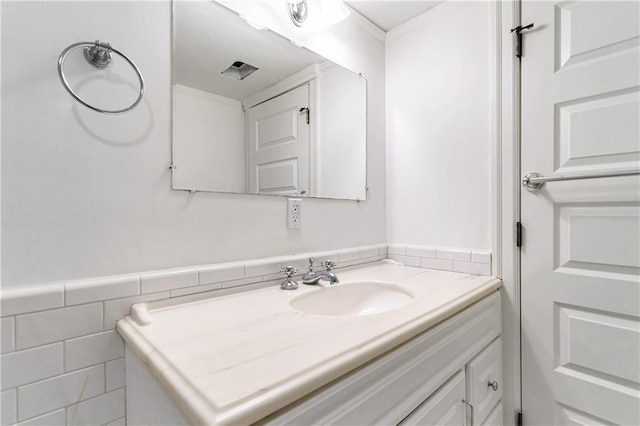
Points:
x=289, y=283
x=312, y=277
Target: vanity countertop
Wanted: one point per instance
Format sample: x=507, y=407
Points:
x=238, y=358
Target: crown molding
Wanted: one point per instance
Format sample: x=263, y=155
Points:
x=423, y=19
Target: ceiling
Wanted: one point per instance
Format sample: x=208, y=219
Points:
x=389, y=14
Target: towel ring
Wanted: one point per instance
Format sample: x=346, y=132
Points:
x=98, y=54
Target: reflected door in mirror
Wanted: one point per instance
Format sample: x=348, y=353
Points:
x=278, y=144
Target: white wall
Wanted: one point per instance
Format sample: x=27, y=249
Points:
x=438, y=128
x=88, y=195
x=209, y=149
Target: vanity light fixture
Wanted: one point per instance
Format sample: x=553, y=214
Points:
x=298, y=11
x=319, y=13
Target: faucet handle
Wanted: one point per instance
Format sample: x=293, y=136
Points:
x=329, y=264
x=311, y=260
x=289, y=271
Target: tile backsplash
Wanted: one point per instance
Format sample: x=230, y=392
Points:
x=63, y=362
x=468, y=261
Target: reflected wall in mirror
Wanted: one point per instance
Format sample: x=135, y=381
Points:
x=253, y=113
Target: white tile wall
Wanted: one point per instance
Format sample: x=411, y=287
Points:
x=97, y=411
x=23, y=367
x=55, y=418
x=420, y=251
x=8, y=408
x=153, y=282
x=7, y=328
x=101, y=289
x=219, y=273
x=36, y=329
x=115, y=374
x=51, y=349
x=453, y=254
x=92, y=349
x=58, y=392
x=477, y=262
x=442, y=264
x=32, y=300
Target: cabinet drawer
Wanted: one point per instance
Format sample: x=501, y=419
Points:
x=482, y=372
x=443, y=408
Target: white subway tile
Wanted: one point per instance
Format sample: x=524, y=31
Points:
x=57, y=324
x=195, y=289
x=257, y=268
x=442, y=264
x=300, y=262
x=57, y=418
x=321, y=256
x=369, y=251
x=151, y=282
x=397, y=249
x=245, y=281
x=92, y=350
x=118, y=422
x=97, y=290
x=8, y=342
x=97, y=411
x=383, y=250
x=116, y=309
x=15, y=302
x=478, y=256
x=460, y=255
x=472, y=268
x=58, y=392
x=349, y=263
x=8, y=407
x=219, y=273
x=115, y=374
x=421, y=251
x=348, y=255
x=22, y=367
x=407, y=260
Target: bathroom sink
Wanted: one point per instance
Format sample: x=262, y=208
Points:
x=350, y=299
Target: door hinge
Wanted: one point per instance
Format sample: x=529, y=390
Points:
x=518, y=33
x=518, y=234
x=305, y=110
x=519, y=418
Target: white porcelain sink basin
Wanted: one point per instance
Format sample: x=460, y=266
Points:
x=357, y=298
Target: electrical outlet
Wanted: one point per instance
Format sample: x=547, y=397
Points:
x=294, y=219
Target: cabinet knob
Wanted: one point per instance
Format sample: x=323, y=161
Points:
x=493, y=385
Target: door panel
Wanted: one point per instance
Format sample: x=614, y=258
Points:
x=278, y=144
x=581, y=241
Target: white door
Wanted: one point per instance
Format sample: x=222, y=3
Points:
x=580, y=254
x=278, y=144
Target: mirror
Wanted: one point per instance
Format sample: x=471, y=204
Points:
x=254, y=113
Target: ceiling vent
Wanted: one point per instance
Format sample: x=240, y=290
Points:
x=239, y=70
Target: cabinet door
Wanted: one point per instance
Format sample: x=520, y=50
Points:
x=495, y=417
x=442, y=408
x=484, y=380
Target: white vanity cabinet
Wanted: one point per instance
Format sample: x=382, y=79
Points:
x=428, y=362
x=434, y=379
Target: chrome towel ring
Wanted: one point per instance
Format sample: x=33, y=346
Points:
x=98, y=54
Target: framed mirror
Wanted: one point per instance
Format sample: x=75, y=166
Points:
x=254, y=113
